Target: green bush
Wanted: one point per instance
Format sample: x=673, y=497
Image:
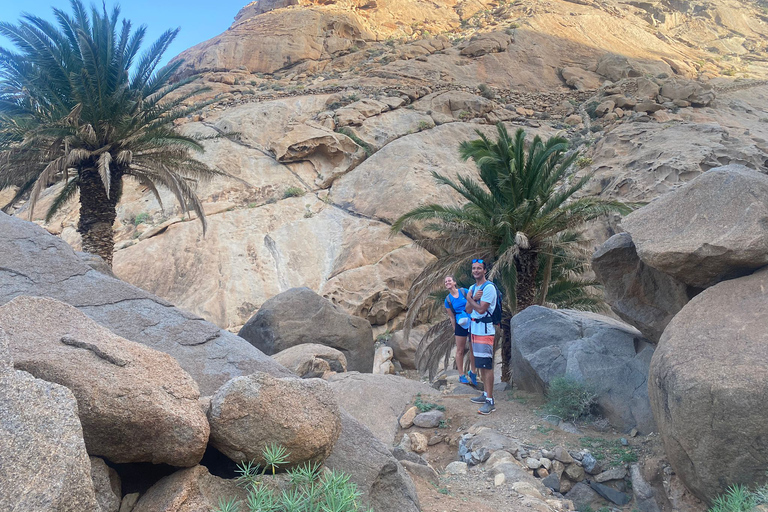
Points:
x=309, y=489
x=140, y=218
x=569, y=399
x=738, y=498
x=357, y=140
x=426, y=406
x=293, y=192
x=486, y=92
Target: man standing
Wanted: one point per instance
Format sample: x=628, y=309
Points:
x=481, y=301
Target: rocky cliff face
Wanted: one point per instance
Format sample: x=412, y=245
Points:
x=333, y=115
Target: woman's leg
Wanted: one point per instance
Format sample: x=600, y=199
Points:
x=472, y=360
x=461, y=342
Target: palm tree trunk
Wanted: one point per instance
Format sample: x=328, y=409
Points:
x=546, y=280
x=526, y=263
x=97, y=214
x=506, y=347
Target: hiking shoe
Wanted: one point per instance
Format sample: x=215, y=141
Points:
x=464, y=380
x=479, y=399
x=487, y=408
x=473, y=378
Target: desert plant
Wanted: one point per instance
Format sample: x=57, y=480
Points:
x=293, y=192
x=486, y=92
x=737, y=498
x=521, y=215
x=357, y=140
x=140, y=218
x=569, y=399
x=78, y=104
x=309, y=489
x=423, y=406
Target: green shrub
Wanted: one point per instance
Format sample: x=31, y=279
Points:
x=140, y=218
x=583, y=161
x=569, y=399
x=309, y=490
x=357, y=140
x=293, y=192
x=591, y=109
x=426, y=406
x=738, y=498
x=486, y=92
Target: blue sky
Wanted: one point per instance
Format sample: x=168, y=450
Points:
x=199, y=20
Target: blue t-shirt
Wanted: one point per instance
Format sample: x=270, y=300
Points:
x=458, y=304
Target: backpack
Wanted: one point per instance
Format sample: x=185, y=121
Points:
x=495, y=317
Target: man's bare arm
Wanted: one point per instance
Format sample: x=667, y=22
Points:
x=481, y=307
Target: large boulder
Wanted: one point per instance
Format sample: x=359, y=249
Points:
x=713, y=228
x=310, y=360
x=34, y=262
x=405, y=348
x=363, y=396
x=708, y=385
x=136, y=404
x=601, y=352
x=189, y=490
x=641, y=295
x=250, y=413
x=299, y=316
x=383, y=482
x=43, y=463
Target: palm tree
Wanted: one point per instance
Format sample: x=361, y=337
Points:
x=522, y=216
x=78, y=105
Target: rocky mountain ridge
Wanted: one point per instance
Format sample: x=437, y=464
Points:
x=336, y=113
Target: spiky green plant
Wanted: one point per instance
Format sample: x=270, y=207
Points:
x=309, y=490
x=522, y=210
x=737, y=498
x=79, y=104
x=275, y=455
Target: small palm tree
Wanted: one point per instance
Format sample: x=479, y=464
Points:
x=522, y=215
x=77, y=106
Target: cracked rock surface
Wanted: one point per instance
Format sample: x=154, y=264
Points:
x=34, y=262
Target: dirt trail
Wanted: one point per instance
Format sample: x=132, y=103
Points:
x=519, y=416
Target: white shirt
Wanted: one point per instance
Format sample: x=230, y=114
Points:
x=489, y=296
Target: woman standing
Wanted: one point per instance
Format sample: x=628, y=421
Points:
x=455, y=304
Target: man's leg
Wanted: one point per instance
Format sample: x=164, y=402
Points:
x=487, y=381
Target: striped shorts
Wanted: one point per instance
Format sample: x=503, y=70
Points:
x=482, y=345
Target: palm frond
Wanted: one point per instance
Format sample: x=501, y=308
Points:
x=524, y=202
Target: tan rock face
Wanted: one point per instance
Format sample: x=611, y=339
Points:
x=370, y=465
x=709, y=371
x=639, y=294
x=189, y=490
x=277, y=39
x=136, y=404
x=250, y=255
x=311, y=360
x=362, y=398
x=249, y=413
x=39, y=423
x=711, y=229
